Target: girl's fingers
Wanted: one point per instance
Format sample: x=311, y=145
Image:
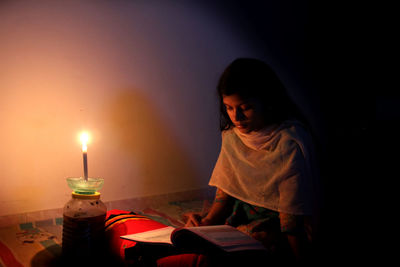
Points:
x=193, y=220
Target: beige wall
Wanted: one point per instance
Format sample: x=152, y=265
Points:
x=138, y=75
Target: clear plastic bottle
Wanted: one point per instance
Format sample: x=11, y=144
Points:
x=83, y=226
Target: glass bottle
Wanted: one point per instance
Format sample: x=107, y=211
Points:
x=83, y=226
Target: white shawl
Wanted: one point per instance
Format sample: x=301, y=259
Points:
x=272, y=168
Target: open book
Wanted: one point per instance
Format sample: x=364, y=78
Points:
x=224, y=237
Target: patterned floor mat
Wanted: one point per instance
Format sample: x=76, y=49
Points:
x=38, y=243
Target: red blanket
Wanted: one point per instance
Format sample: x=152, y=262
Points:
x=120, y=222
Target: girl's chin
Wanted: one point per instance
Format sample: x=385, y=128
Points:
x=243, y=129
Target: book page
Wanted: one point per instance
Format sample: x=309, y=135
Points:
x=227, y=237
x=162, y=235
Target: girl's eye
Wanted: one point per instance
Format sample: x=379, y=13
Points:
x=247, y=107
x=228, y=108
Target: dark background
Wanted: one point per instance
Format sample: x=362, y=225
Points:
x=339, y=53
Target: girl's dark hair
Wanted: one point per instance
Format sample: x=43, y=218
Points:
x=253, y=78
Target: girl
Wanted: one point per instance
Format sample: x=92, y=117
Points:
x=265, y=174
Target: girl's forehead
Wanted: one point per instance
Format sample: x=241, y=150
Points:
x=237, y=99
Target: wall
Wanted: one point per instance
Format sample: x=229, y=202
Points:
x=140, y=76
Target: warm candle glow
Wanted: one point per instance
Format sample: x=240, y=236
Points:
x=84, y=140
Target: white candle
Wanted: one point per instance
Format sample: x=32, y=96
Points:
x=84, y=140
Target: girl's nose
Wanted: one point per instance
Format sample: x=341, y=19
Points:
x=239, y=116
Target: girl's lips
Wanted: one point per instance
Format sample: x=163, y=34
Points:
x=241, y=126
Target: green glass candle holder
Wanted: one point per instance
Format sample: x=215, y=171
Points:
x=86, y=187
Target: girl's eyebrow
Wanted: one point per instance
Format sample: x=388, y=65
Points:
x=244, y=102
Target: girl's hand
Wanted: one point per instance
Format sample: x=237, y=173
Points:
x=192, y=219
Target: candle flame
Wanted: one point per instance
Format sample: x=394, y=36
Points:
x=84, y=140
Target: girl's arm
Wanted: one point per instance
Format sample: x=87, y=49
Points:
x=219, y=211
x=298, y=231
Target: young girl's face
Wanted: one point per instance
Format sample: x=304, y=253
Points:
x=245, y=114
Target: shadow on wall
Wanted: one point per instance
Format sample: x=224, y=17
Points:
x=142, y=135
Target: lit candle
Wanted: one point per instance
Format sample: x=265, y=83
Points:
x=84, y=140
